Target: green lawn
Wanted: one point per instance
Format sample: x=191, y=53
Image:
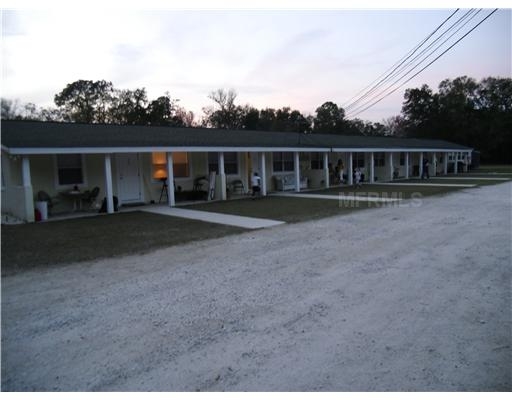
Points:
x=389, y=191
x=453, y=180
x=494, y=168
x=36, y=245
x=288, y=209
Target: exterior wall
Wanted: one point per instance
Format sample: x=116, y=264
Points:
x=17, y=199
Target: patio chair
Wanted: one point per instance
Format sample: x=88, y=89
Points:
x=199, y=182
x=237, y=184
x=51, y=201
x=90, y=196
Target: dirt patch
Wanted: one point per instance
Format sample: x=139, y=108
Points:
x=388, y=299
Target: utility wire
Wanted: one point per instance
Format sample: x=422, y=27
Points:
x=415, y=66
x=404, y=65
x=402, y=60
x=420, y=71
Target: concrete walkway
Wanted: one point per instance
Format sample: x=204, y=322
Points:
x=471, y=178
x=334, y=197
x=423, y=184
x=218, y=218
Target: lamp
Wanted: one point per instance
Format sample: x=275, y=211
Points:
x=160, y=172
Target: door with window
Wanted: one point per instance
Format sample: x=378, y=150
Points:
x=129, y=186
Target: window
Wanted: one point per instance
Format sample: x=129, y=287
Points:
x=180, y=165
x=402, y=158
x=282, y=161
x=358, y=160
x=70, y=169
x=230, y=163
x=379, y=159
x=317, y=161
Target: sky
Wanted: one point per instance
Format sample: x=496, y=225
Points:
x=271, y=58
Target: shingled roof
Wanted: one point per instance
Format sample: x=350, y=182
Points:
x=22, y=136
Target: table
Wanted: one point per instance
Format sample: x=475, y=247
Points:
x=76, y=196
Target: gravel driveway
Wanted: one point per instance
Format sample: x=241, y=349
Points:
x=409, y=298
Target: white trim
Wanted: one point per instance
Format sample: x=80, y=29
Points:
x=58, y=186
x=238, y=166
x=283, y=172
x=387, y=150
x=171, y=201
x=177, y=149
x=109, y=192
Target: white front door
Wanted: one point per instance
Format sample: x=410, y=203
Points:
x=129, y=187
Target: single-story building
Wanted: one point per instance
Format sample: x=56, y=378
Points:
x=132, y=163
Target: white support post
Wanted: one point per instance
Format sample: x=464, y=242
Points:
x=263, y=174
x=445, y=163
x=108, y=184
x=421, y=165
x=222, y=177
x=434, y=163
x=27, y=189
x=170, y=181
x=466, y=162
x=407, y=165
x=25, y=170
x=326, y=170
x=296, y=170
x=455, y=165
x=391, y=167
x=372, y=167
x=350, y=169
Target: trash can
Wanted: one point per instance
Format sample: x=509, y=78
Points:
x=42, y=207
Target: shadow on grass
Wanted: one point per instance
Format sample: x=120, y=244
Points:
x=41, y=244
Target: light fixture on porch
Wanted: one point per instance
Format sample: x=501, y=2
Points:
x=160, y=171
x=159, y=162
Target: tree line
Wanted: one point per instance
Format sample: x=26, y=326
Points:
x=476, y=114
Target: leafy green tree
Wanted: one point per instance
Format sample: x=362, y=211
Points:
x=129, y=107
x=329, y=119
x=161, y=112
x=86, y=101
x=225, y=114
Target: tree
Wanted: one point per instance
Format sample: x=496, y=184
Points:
x=329, y=119
x=161, y=112
x=86, y=101
x=224, y=114
x=395, y=126
x=129, y=107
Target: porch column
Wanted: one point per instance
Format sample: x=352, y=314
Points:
x=296, y=170
x=434, y=163
x=170, y=180
x=222, y=177
x=27, y=189
x=372, y=167
x=263, y=174
x=108, y=184
x=445, y=163
x=390, y=158
x=326, y=170
x=421, y=165
x=456, y=166
x=466, y=162
x=350, y=169
x=406, y=165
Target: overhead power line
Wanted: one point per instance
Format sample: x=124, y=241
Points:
x=460, y=22
x=383, y=93
x=417, y=64
x=398, y=63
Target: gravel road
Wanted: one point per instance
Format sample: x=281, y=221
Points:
x=387, y=299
